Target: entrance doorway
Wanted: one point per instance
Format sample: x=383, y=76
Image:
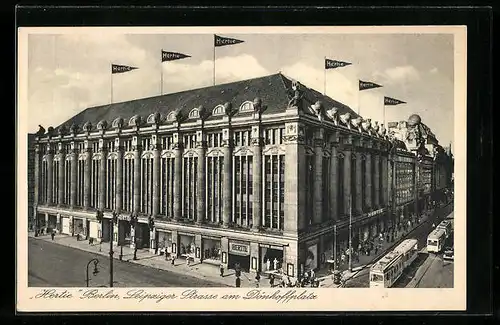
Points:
x=239, y=253
x=124, y=232
x=243, y=261
x=142, y=235
x=87, y=233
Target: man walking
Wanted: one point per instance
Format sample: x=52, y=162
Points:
x=52, y=235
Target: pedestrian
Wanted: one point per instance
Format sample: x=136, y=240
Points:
x=313, y=275
x=271, y=281
x=238, y=282
x=173, y=260
x=52, y=235
x=257, y=279
x=221, y=269
x=187, y=260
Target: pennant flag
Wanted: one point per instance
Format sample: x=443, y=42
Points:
x=333, y=64
x=364, y=85
x=116, y=68
x=171, y=56
x=224, y=41
x=392, y=101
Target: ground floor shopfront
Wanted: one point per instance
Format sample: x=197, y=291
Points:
x=217, y=247
x=316, y=251
x=250, y=250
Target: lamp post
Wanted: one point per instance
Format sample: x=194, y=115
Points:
x=350, y=234
x=111, y=231
x=96, y=270
x=133, y=223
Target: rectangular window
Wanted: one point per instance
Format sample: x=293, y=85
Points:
x=274, y=184
x=189, y=185
x=128, y=184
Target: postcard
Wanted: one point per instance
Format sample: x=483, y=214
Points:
x=241, y=169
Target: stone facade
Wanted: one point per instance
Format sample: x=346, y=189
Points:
x=246, y=182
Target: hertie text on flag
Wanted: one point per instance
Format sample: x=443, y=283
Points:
x=223, y=41
x=333, y=64
x=116, y=68
x=171, y=56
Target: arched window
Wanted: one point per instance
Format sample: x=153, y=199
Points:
x=171, y=117
x=218, y=110
x=246, y=106
x=194, y=113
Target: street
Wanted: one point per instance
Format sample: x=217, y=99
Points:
x=52, y=265
x=438, y=275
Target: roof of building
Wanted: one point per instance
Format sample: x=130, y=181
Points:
x=273, y=90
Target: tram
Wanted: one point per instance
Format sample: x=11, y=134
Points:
x=385, y=272
x=436, y=240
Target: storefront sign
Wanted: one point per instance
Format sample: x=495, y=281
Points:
x=374, y=213
x=239, y=248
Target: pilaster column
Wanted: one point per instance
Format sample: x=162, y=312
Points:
x=359, y=184
x=334, y=174
x=36, y=172
x=156, y=176
x=296, y=170
x=50, y=174
x=318, y=177
x=87, y=171
x=177, y=148
x=60, y=180
x=228, y=177
x=119, y=176
x=201, y=178
x=376, y=180
x=257, y=178
x=74, y=174
x=102, y=175
x=137, y=173
x=347, y=180
x=384, y=180
x=368, y=177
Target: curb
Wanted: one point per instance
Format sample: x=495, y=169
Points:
x=131, y=261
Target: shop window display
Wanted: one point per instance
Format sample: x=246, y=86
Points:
x=211, y=249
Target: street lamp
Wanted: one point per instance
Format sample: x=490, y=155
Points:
x=133, y=222
x=96, y=270
x=114, y=220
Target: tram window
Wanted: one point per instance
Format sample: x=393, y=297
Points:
x=377, y=278
x=432, y=242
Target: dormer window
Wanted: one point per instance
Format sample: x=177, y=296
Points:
x=246, y=107
x=218, y=110
x=194, y=113
x=171, y=117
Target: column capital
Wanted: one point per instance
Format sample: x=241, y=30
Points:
x=318, y=143
x=257, y=142
x=227, y=143
x=201, y=144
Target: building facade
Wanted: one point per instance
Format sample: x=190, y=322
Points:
x=265, y=173
x=31, y=181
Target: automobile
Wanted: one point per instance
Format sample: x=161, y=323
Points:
x=449, y=254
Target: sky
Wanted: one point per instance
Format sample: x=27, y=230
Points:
x=70, y=72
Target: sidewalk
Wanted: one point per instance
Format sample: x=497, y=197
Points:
x=367, y=260
x=202, y=271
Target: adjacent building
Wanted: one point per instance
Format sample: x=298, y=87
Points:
x=262, y=172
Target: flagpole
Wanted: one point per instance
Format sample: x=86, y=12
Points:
x=161, y=79
x=111, y=84
x=359, y=101
x=214, y=65
x=324, y=79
